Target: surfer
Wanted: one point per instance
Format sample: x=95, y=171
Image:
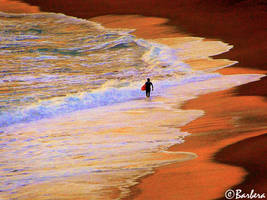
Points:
x=148, y=87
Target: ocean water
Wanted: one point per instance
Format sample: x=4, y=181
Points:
x=74, y=122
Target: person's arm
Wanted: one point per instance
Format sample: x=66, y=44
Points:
x=152, y=86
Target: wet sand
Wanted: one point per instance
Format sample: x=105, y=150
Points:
x=228, y=119
x=242, y=23
x=17, y=7
x=250, y=154
x=230, y=138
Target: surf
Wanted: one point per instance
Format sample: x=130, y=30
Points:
x=62, y=64
x=72, y=112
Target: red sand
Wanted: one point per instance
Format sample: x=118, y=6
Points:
x=242, y=23
x=229, y=119
x=17, y=7
x=250, y=154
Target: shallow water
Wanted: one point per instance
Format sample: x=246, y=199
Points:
x=72, y=113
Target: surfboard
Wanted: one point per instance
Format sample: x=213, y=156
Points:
x=143, y=88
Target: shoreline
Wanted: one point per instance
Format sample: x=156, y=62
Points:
x=254, y=162
x=169, y=181
x=204, y=170
x=242, y=23
x=248, y=117
x=163, y=113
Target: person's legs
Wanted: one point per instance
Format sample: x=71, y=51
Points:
x=147, y=93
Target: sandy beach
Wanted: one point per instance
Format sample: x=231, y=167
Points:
x=219, y=138
x=230, y=139
x=209, y=176
x=241, y=23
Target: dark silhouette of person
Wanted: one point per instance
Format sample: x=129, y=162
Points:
x=148, y=87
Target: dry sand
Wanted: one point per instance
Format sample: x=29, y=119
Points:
x=242, y=23
x=229, y=119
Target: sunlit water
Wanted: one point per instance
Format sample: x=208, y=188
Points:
x=74, y=123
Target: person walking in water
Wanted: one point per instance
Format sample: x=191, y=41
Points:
x=148, y=87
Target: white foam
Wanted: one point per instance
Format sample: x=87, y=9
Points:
x=109, y=135
x=100, y=97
